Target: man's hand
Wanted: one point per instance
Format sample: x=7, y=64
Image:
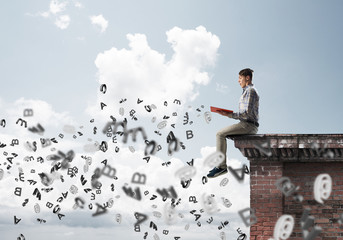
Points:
x=224, y=113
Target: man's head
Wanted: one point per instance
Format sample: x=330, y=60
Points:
x=245, y=77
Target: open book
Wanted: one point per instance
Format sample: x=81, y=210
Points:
x=215, y=109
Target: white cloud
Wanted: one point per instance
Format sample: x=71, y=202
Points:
x=44, y=14
x=78, y=5
x=197, y=48
x=62, y=22
x=57, y=7
x=126, y=164
x=42, y=113
x=100, y=21
x=142, y=72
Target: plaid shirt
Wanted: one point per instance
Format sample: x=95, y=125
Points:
x=248, y=105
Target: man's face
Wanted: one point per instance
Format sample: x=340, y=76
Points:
x=243, y=81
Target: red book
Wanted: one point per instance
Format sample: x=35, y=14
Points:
x=215, y=109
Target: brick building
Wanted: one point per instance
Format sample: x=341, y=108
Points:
x=301, y=158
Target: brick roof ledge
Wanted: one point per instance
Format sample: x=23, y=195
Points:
x=300, y=158
x=291, y=147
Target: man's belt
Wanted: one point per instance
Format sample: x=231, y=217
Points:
x=253, y=122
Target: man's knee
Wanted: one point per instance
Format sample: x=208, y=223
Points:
x=220, y=135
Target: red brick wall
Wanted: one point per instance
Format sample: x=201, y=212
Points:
x=270, y=203
x=265, y=198
x=300, y=157
x=326, y=215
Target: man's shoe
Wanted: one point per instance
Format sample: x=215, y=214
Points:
x=215, y=172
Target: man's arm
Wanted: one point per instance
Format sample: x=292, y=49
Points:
x=224, y=113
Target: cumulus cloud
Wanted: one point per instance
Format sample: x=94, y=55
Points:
x=62, y=22
x=99, y=21
x=126, y=163
x=78, y=5
x=142, y=72
x=137, y=72
x=54, y=12
x=56, y=7
x=44, y=14
x=36, y=111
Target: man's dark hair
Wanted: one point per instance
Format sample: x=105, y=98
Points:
x=246, y=72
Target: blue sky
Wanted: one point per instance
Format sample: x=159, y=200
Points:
x=294, y=47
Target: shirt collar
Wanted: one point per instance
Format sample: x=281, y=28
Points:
x=250, y=85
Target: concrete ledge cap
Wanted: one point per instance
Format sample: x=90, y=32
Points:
x=291, y=147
